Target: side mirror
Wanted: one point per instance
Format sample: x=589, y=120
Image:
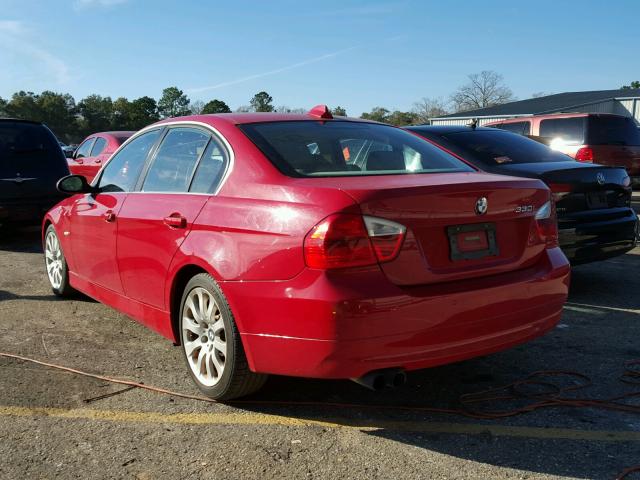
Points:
x=68, y=153
x=73, y=184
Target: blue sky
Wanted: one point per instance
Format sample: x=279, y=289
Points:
x=357, y=54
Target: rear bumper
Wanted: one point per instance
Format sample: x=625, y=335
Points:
x=345, y=325
x=595, y=237
x=26, y=211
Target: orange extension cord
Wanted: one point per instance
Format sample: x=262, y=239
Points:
x=537, y=388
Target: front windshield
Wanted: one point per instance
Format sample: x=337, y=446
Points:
x=343, y=148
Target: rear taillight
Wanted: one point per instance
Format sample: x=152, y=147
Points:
x=585, y=154
x=547, y=224
x=346, y=240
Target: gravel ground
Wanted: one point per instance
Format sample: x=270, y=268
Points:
x=58, y=425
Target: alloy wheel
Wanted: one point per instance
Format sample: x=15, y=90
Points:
x=54, y=260
x=204, y=336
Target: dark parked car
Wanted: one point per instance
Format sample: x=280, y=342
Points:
x=31, y=162
x=593, y=202
x=603, y=138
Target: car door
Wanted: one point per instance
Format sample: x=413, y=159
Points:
x=80, y=156
x=155, y=220
x=94, y=217
x=93, y=162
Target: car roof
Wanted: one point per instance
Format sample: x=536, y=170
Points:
x=445, y=129
x=256, y=117
x=19, y=120
x=556, y=115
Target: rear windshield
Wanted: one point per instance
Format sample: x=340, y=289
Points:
x=26, y=141
x=521, y=128
x=339, y=148
x=612, y=131
x=122, y=138
x=494, y=147
x=569, y=131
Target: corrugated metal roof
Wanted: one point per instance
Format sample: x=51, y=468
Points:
x=549, y=103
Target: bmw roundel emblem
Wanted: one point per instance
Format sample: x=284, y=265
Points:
x=481, y=205
x=600, y=178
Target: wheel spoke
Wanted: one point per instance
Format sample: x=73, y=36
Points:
x=190, y=305
x=207, y=364
x=220, y=346
x=189, y=347
x=217, y=326
x=201, y=357
x=192, y=326
x=219, y=366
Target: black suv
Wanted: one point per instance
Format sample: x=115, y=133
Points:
x=31, y=163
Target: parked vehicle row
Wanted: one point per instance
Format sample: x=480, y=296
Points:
x=606, y=139
x=593, y=202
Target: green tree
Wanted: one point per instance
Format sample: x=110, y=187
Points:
x=378, y=114
x=400, y=119
x=339, y=112
x=3, y=107
x=24, y=105
x=58, y=111
x=96, y=114
x=633, y=85
x=262, y=102
x=121, y=116
x=173, y=103
x=143, y=111
x=216, y=106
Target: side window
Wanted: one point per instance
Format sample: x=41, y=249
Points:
x=122, y=171
x=565, y=130
x=521, y=128
x=84, y=149
x=177, y=155
x=210, y=169
x=98, y=147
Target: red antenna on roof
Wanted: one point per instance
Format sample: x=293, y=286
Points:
x=321, y=111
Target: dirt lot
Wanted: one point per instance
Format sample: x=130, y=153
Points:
x=55, y=425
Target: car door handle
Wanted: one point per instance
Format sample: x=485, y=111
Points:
x=175, y=220
x=98, y=160
x=78, y=160
x=109, y=216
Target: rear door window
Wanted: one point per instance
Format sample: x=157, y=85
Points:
x=521, y=128
x=173, y=166
x=98, y=147
x=210, y=169
x=84, y=150
x=605, y=130
x=568, y=131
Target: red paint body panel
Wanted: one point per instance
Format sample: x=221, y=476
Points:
x=418, y=310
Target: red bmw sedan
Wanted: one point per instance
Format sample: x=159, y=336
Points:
x=308, y=246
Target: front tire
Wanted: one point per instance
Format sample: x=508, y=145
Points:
x=56, y=264
x=211, y=343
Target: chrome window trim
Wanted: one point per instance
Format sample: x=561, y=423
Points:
x=217, y=135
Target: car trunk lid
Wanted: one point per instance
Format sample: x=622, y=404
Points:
x=448, y=236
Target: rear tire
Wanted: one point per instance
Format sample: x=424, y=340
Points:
x=211, y=343
x=56, y=264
